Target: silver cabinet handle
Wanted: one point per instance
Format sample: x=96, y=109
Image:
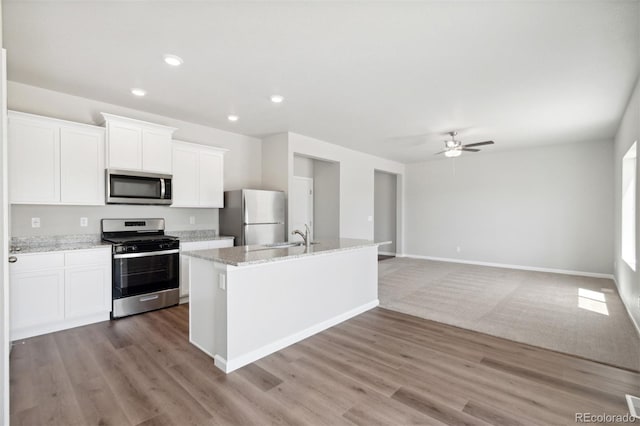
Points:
x=13, y=259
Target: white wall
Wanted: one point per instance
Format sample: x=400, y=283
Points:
x=384, y=217
x=326, y=199
x=242, y=168
x=545, y=207
x=627, y=280
x=356, y=181
x=63, y=220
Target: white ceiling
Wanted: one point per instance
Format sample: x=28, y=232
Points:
x=362, y=75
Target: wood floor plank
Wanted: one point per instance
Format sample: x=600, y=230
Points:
x=442, y=413
x=381, y=367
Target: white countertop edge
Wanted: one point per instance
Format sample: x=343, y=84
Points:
x=195, y=254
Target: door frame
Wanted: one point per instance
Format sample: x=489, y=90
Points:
x=4, y=243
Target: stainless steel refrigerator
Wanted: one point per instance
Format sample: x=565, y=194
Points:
x=253, y=216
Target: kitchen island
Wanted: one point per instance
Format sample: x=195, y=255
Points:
x=248, y=302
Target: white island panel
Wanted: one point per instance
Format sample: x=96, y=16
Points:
x=268, y=306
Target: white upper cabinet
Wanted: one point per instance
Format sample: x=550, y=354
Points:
x=211, y=178
x=156, y=151
x=54, y=161
x=198, y=175
x=34, y=164
x=82, y=166
x=138, y=145
x=125, y=146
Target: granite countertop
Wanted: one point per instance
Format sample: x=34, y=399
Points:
x=198, y=235
x=41, y=244
x=251, y=255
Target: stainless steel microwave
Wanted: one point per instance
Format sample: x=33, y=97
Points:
x=131, y=187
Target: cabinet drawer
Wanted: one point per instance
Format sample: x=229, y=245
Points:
x=35, y=262
x=88, y=257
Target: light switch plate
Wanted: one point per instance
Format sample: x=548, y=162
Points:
x=84, y=222
x=35, y=222
x=369, y=218
x=192, y=220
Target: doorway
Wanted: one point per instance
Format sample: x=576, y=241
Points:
x=314, y=197
x=385, y=213
x=302, y=204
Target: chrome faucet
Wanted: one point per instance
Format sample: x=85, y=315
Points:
x=305, y=236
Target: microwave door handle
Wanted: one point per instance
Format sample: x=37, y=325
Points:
x=162, y=188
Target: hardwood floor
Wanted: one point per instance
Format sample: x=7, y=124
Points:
x=381, y=367
x=382, y=257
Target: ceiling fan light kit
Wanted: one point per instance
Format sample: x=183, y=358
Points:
x=454, y=148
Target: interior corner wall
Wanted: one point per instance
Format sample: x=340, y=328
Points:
x=384, y=217
x=627, y=280
x=242, y=165
x=326, y=200
x=546, y=207
x=356, y=181
x=303, y=166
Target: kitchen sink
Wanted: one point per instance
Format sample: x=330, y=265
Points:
x=282, y=245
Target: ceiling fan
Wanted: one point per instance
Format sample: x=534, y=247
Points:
x=454, y=148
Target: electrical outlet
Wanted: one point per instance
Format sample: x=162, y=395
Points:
x=84, y=222
x=35, y=222
x=222, y=281
x=192, y=220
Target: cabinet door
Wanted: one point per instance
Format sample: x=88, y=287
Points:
x=211, y=180
x=37, y=298
x=125, y=146
x=156, y=151
x=185, y=177
x=82, y=166
x=34, y=161
x=87, y=290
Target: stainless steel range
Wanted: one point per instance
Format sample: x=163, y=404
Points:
x=145, y=267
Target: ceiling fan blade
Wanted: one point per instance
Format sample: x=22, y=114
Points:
x=470, y=149
x=478, y=144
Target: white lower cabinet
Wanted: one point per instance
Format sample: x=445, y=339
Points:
x=37, y=298
x=59, y=290
x=87, y=290
x=185, y=261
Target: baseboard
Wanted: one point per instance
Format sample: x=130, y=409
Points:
x=508, y=266
x=387, y=253
x=228, y=365
x=633, y=321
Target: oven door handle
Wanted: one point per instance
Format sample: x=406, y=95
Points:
x=147, y=254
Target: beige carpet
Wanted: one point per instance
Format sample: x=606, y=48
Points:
x=575, y=315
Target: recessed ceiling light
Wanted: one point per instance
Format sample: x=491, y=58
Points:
x=276, y=99
x=138, y=92
x=173, y=60
x=233, y=117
